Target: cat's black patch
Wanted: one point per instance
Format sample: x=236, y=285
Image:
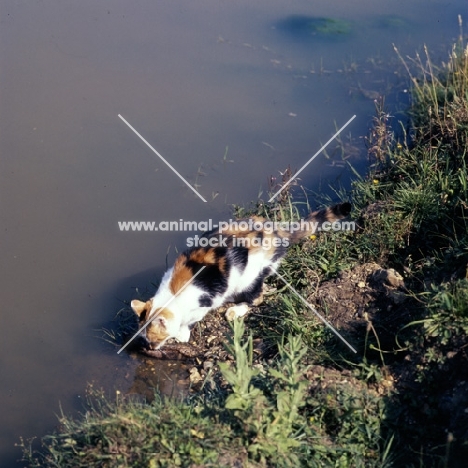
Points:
x=239, y=256
x=211, y=279
x=205, y=301
x=342, y=210
x=250, y=294
x=259, y=235
x=280, y=252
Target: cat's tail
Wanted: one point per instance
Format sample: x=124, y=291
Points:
x=318, y=221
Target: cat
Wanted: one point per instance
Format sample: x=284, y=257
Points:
x=237, y=257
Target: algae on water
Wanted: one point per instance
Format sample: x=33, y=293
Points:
x=310, y=26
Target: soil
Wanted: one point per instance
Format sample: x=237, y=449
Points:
x=366, y=298
x=367, y=303
x=363, y=295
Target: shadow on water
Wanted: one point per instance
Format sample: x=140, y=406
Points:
x=147, y=374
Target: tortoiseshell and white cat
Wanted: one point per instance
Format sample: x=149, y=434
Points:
x=234, y=273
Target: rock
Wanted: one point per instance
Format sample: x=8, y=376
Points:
x=397, y=297
x=195, y=376
x=389, y=277
x=207, y=365
x=394, y=279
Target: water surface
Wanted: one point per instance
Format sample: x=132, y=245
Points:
x=226, y=91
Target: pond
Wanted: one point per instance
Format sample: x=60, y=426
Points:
x=229, y=93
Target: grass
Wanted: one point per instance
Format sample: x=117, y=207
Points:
x=403, y=402
x=126, y=433
x=269, y=416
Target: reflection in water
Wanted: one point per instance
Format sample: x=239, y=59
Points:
x=195, y=78
x=167, y=377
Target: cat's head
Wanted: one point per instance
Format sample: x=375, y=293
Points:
x=161, y=327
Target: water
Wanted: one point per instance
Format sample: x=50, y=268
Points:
x=228, y=92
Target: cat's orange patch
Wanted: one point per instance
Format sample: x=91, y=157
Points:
x=222, y=265
x=204, y=256
x=156, y=332
x=181, y=276
x=255, y=241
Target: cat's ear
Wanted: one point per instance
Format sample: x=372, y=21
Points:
x=141, y=308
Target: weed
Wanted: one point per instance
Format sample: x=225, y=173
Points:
x=270, y=418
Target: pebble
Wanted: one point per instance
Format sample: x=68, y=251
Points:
x=195, y=376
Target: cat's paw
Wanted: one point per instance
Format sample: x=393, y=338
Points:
x=238, y=310
x=259, y=300
x=184, y=335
